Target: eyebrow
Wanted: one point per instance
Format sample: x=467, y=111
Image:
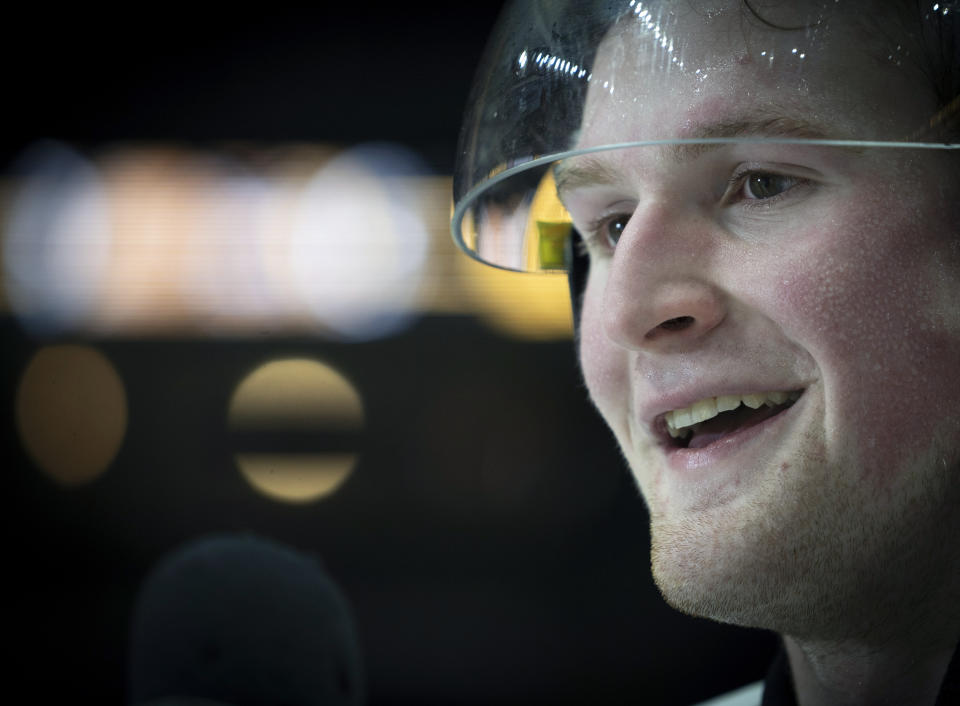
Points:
x=591, y=170
x=777, y=126
x=588, y=171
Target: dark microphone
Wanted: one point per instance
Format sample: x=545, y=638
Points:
x=242, y=620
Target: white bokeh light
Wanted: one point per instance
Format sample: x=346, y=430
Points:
x=358, y=243
x=57, y=239
x=226, y=274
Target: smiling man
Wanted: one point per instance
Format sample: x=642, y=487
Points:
x=765, y=201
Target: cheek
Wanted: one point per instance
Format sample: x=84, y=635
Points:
x=605, y=366
x=874, y=299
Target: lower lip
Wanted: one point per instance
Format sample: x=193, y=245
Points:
x=681, y=459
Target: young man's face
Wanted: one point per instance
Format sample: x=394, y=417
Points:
x=824, y=280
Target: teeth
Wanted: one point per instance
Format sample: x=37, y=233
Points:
x=704, y=409
x=683, y=418
x=678, y=433
x=776, y=398
x=679, y=420
x=727, y=403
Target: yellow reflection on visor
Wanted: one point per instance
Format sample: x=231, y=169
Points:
x=548, y=229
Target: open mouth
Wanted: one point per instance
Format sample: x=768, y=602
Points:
x=709, y=420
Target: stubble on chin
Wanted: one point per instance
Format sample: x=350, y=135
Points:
x=835, y=566
x=707, y=565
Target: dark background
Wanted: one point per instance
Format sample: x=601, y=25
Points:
x=490, y=541
x=343, y=72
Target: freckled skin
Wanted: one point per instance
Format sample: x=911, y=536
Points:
x=850, y=290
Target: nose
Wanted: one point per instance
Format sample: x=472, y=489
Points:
x=660, y=292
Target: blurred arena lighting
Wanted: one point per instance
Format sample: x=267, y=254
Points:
x=71, y=412
x=359, y=244
x=347, y=244
x=55, y=249
x=158, y=200
x=281, y=404
x=295, y=478
x=225, y=262
x=519, y=304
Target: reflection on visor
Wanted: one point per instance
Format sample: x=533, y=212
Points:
x=561, y=80
x=529, y=236
x=548, y=228
x=530, y=229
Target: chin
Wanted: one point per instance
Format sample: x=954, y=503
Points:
x=695, y=582
x=724, y=566
x=722, y=602
x=819, y=569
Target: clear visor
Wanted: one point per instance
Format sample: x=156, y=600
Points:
x=597, y=104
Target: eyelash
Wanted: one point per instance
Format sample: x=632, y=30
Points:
x=595, y=234
x=595, y=231
x=740, y=179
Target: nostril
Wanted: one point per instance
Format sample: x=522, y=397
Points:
x=677, y=324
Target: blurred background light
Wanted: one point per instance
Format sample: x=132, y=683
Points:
x=359, y=244
x=344, y=244
x=158, y=196
x=71, y=412
x=57, y=238
x=295, y=478
x=280, y=407
x=519, y=304
x=225, y=269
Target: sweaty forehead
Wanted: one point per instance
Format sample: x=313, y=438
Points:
x=677, y=70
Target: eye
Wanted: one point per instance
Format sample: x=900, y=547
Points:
x=613, y=228
x=758, y=186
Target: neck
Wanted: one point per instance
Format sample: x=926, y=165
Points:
x=850, y=674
